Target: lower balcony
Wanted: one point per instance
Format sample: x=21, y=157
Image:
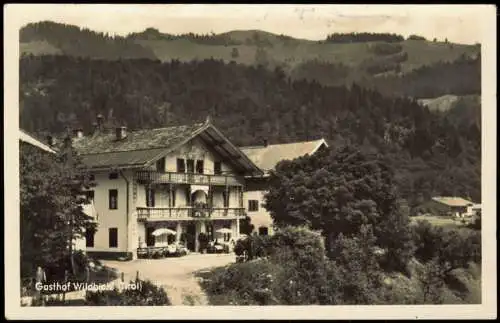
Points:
x=187, y=213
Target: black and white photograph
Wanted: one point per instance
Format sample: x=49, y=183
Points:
x=250, y=161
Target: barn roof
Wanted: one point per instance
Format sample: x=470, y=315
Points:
x=266, y=157
x=30, y=139
x=452, y=201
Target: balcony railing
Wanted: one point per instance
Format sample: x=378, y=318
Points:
x=187, y=213
x=186, y=178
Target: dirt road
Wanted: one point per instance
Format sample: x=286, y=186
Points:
x=176, y=275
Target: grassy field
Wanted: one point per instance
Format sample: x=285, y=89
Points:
x=441, y=221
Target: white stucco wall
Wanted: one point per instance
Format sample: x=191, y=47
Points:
x=261, y=217
x=110, y=218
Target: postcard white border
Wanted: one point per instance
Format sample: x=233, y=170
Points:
x=487, y=309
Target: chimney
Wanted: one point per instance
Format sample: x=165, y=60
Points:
x=121, y=133
x=78, y=133
x=264, y=142
x=100, y=122
x=51, y=141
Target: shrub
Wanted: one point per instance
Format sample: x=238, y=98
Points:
x=453, y=248
x=358, y=271
x=427, y=239
x=246, y=283
x=147, y=294
x=431, y=279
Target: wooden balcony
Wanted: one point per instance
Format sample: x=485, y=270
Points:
x=187, y=213
x=154, y=177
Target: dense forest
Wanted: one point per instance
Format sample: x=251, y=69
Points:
x=428, y=81
x=460, y=77
x=363, y=37
x=207, y=39
x=75, y=41
x=431, y=154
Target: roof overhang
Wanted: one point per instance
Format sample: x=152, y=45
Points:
x=215, y=139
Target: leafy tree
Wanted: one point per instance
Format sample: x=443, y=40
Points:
x=338, y=192
x=51, y=211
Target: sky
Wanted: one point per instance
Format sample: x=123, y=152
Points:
x=457, y=23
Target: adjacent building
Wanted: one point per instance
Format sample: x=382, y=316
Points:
x=266, y=157
x=451, y=206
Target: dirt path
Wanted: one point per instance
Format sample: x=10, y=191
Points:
x=176, y=275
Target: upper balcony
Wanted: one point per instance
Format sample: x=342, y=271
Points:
x=187, y=213
x=155, y=177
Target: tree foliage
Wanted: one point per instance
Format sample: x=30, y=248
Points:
x=51, y=211
x=363, y=37
x=339, y=192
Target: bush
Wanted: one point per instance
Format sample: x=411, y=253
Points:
x=246, y=283
x=358, y=272
x=453, y=248
x=147, y=294
x=427, y=239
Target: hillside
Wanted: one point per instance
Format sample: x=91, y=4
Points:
x=432, y=154
x=363, y=61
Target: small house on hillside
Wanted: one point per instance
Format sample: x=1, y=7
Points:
x=449, y=206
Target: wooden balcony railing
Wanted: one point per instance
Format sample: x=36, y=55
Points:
x=187, y=213
x=145, y=176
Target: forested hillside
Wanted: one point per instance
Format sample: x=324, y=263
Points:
x=431, y=154
x=75, y=41
x=388, y=62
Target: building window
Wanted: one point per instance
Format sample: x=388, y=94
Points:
x=92, y=177
x=217, y=168
x=190, y=165
x=181, y=167
x=253, y=205
x=113, y=199
x=173, y=197
x=199, y=166
x=113, y=175
x=113, y=237
x=150, y=197
x=89, y=195
x=225, y=197
x=188, y=195
x=89, y=237
x=263, y=231
x=160, y=165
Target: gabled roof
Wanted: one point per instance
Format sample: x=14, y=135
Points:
x=142, y=148
x=266, y=157
x=30, y=139
x=452, y=201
